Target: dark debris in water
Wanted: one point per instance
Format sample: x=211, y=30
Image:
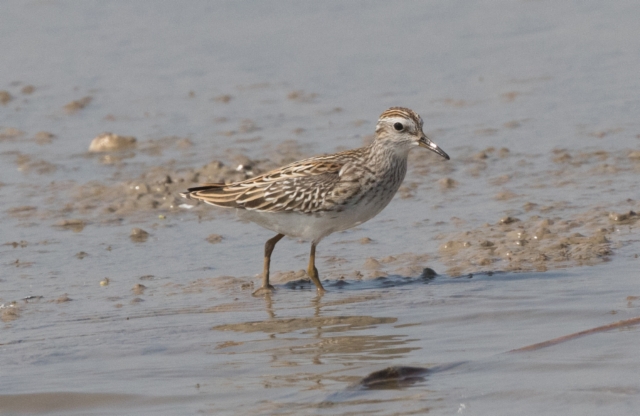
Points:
x=393, y=378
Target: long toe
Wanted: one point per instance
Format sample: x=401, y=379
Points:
x=264, y=290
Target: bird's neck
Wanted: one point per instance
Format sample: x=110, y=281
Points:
x=382, y=150
x=386, y=157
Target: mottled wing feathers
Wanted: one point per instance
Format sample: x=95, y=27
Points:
x=308, y=186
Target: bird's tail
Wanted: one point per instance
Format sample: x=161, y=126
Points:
x=213, y=193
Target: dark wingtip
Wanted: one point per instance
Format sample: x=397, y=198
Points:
x=206, y=187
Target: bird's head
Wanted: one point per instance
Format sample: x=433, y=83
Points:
x=402, y=128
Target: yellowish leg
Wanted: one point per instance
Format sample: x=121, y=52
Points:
x=268, y=249
x=312, y=271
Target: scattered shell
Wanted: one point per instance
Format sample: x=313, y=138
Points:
x=447, y=183
x=509, y=96
x=16, y=244
x=11, y=133
x=626, y=217
x=44, y=137
x=77, y=105
x=225, y=98
x=214, y=238
x=138, y=289
x=5, y=97
x=109, y=142
x=139, y=235
x=505, y=195
x=28, y=89
x=64, y=298
x=75, y=225
x=9, y=312
x=301, y=96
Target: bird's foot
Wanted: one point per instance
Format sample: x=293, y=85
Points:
x=264, y=290
x=315, y=278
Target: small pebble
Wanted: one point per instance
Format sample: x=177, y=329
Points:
x=139, y=235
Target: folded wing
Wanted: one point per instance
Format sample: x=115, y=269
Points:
x=306, y=186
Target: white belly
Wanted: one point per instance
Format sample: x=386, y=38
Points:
x=316, y=226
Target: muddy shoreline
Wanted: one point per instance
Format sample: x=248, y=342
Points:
x=119, y=297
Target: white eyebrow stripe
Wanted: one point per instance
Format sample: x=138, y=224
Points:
x=397, y=119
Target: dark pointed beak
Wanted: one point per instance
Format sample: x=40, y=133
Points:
x=428, y=144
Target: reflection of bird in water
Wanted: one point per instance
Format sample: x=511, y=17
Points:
x=315, y=197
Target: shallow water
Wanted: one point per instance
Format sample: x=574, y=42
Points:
x=535, y=214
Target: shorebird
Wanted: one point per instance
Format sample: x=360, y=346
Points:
x=315, y=197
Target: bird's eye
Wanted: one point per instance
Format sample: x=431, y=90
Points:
x=398, y=126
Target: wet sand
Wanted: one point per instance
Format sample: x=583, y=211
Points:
x=117, y=296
